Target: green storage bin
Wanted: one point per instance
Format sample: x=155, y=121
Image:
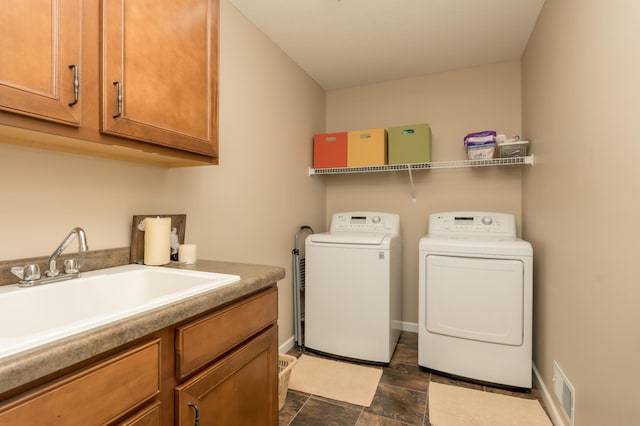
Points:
x=409, y=144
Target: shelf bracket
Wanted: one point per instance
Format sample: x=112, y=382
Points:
x=413, y=189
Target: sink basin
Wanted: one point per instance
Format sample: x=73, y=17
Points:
x=33, y=316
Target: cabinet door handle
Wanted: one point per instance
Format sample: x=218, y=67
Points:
x=76, y=84
x=195, y=407
x=119, y=97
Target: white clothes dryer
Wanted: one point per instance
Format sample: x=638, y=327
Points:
x=475, y=299
x=353, y=287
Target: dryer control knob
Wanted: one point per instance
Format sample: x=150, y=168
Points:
x=487, y=220
x=376, y=219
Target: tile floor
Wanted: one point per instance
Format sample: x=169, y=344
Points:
x=401, y=398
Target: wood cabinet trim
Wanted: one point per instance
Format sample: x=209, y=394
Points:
x=147, y=416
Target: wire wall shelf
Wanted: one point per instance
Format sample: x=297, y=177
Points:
x=456, y=164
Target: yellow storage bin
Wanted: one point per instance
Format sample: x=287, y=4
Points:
x=367, y=147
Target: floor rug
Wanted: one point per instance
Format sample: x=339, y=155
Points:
x=337, y=380
x=453, y=406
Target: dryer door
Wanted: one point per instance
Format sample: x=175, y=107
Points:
x=475, y=298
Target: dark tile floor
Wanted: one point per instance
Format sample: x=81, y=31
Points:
x=400, y=400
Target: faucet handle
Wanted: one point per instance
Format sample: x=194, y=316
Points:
x=71, y=266
x=27, y=273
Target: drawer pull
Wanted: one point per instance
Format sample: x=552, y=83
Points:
x=195, y=407
x=76, y=84
x=119, y=97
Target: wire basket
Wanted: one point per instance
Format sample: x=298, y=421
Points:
x=513, y=149
x=285, y=364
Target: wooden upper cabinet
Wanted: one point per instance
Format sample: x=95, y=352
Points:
x=159, y=72
x=40, y=45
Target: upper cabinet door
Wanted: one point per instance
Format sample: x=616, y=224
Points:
x=159, y=72
x=40, y=59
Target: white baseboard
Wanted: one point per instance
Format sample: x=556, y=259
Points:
x=409, y=326
x=286, y=345
x=556, y=418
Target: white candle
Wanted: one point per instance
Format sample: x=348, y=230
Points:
x=187, y=254
x=157, y=240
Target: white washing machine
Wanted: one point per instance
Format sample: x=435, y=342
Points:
x=353, y=287
x=475, y=299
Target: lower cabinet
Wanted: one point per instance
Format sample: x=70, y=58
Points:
x=240, y=389
x=94, y=396
x=217, y=368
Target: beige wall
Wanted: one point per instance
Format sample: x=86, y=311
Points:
x=246, y=209
x=580, y=201
x=454, y=104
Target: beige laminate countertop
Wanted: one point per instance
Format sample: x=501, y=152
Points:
x=27, y=366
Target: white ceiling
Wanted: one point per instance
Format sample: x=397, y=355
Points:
x=345, y=43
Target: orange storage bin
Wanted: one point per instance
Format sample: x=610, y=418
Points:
x=367, y=148
x=330, y=150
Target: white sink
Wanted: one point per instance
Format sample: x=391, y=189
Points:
x=33, y=316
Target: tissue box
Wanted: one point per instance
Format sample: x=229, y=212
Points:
x=367, y=148
x=330, y=150
x=410, y=144
x=513, y=149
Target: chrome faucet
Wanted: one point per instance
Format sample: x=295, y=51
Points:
x=70, y=267
x=30, y=274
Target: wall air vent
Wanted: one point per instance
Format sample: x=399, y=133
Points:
x=565, y=392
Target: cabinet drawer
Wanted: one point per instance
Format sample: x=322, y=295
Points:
x=202, y=341
x=95, y=395
x=148, y=416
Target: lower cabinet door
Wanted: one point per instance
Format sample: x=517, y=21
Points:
x=241, y=389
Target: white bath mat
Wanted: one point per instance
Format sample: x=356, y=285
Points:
x=337, y=380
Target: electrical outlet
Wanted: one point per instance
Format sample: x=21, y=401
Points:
x=565, y=392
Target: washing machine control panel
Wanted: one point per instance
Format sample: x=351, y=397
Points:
x=365, y=221
x=472, y=223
